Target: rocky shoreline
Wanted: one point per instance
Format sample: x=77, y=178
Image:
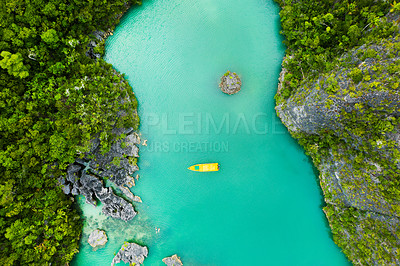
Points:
x=86, y=176
x=356, y=164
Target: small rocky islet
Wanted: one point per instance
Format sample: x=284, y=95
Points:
x=174, y=260
x=131, y=253
x=97, y=238
x=230, y=83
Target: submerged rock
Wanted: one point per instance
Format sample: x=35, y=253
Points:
x=230, y=83
x=97, y=238
x=172, y=261
x=131, y=253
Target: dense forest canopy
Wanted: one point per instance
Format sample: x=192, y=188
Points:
x=53, y=100
x=316, y=32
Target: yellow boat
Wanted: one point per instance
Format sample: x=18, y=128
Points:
x=205, y=167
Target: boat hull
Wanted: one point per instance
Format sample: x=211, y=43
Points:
x=205, y=167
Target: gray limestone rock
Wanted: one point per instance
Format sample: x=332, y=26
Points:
x=103, y=194
x=97, y=238
x=75, y=191
x=72, y=177
x=81, y=161
x=87, y=193
x=117, y=207
x=84, y=176
x=99, y=35
x=125, y=147
x=119, y=131
x=114, y=206
x=132, y=139
x=230, y=83
x=174, y=260
x=131, y=253
x=95, y=143
x=92, y=44
x=73, y=168
x=127, y=192
x=66, y=189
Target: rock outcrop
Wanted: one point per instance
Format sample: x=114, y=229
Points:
x=130, y=253
x=230, y=83
x=85, y=176
x=318, y=104
x=174, y=260
x=97, y=238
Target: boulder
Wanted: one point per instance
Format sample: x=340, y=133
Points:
x=94, y=144
x=172, y=261
x=230, y=83
x=88, y=195
x=131, y=253
x=61, y=180
x=132, y=139
x=75, y=191
x=97, y=238
x=117, y=207
x=73, y=168
x=99, y=35
x=72, y=177
x=66, y=189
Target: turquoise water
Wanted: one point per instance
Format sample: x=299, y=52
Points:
x=264, y=206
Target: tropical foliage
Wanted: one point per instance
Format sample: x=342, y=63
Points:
x=316, y=32
x=53, y=100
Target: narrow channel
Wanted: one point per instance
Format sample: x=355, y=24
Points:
x=264, y=205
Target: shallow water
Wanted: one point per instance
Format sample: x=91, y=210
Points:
x=264, y=206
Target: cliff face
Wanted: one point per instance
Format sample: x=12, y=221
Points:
x=364, y=76
x=348, y=121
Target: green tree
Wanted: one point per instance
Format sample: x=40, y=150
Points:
x=49, y=117
x=13, y=64
x=50, y=36
x=354, y=34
